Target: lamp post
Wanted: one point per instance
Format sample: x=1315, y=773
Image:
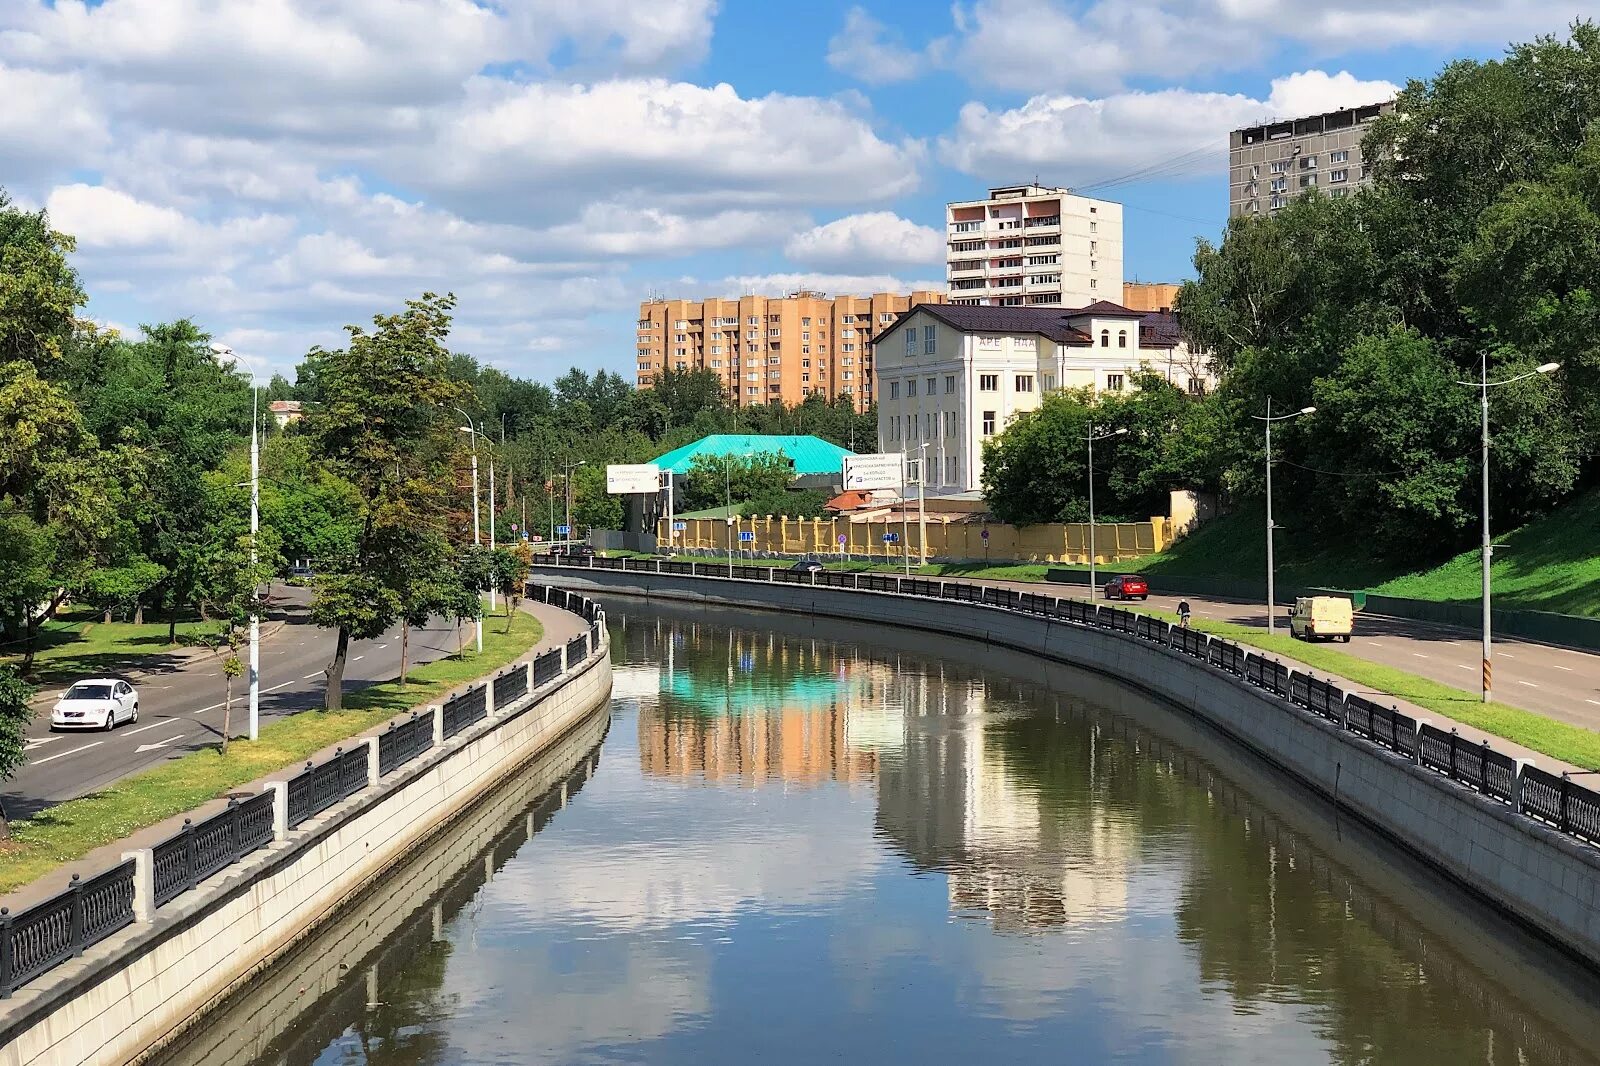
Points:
x=1483, y=385
x=1092, y=437
x=222, y=352
x=922, y=503
x=566, y=488
x=471, y=429
x=727, y=499
x=1267, y=420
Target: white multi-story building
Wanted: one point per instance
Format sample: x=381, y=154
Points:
x=1034, y=246
x=952, y=376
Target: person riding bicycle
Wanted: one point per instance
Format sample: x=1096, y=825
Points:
x=1183, y=613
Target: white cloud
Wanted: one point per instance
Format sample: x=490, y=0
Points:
x=107, y=219
x=874, y=239
x=521, y=148
x=869, y=51
x=779, y=284
x=1070, y=139
x=45, y=119
x=1102, y=46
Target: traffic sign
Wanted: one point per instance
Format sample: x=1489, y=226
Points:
x=538, y=536
x=515, y=527
x=746, y=535
x=891, y=538
x=564, y=530
x=841, y=540
x=524, y=534
x=679, y=527
x=984, y=534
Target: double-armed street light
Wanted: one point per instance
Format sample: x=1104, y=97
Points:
x=1483, y=385
x=566, y=488
x=225, y=355
x=1267, y=420
x=1092, y=437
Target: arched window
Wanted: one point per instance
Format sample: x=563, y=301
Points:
x=1122, y=338
x=1105, y=338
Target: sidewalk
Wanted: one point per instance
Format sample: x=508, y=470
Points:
x=559, y=627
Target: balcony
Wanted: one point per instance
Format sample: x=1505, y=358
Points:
x=970, y=272
x=1044, y=222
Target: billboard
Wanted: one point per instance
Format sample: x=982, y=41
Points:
x=625, y=478
x=886, y=471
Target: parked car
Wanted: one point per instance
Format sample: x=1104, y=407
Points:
x=808, y=564
x=1127, y=587
x=573, y=551
x=1321, y=618
x=96, y=703
x=299, y=575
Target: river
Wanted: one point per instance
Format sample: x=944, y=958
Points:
x=801, y=842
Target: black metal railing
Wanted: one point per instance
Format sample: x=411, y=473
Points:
x=546, y=667
x=48, y=934
x=197, y=851
x=511, y=685
x=316, y=788
x=577, y=650
x=1556, y=800
x=404, y=741
x=470, y=707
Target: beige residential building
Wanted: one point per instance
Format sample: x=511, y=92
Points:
x=772, y=349
x=1271, y=164
x=1034, y=246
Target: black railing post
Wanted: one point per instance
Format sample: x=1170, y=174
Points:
x=1566, y=782
x=75, y=916
x=1453, y=751
x=187, y=851
x=233, y=829
x=8, y=961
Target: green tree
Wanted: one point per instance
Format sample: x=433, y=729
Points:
x=712, y=479
x=511, y=567
x=15, y=716
x=383, y=427
x=687, y=393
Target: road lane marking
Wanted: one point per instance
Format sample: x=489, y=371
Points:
x=275, y=688
x=358, y=658
x=142, y=748
x=382, y=646
x=34, y=742
x=1530, y=684
x=1419, y=655
x=1463, y=666
x=1557, y=666
x=1595, y=702
x=64, y=754
x=308, y=677
x=152, y=725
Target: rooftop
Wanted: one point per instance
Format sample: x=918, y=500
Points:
x=1064, y=326
x=807, y=454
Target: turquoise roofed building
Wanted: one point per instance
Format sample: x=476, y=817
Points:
x=810, y=456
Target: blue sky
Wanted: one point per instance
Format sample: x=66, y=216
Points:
x=277, y=168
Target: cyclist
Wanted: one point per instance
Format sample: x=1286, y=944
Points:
x=1183, y=613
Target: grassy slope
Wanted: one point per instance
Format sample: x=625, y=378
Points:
x=70, y=830
x=78, y=644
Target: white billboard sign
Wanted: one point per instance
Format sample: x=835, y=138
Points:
x=625, y=478
x=863, y=472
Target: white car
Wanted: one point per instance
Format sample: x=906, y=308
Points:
x=96, y=703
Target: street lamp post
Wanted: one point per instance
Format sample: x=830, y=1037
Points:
x=1483, y=385
x=1092, y=438
x=471, y=429
x=1267, y=420
x=222, y=351
x=727, y=499
x=566, y=488
x=922, y=503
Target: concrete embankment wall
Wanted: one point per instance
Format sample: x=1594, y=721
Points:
x=139, y=989
x=1546, y=880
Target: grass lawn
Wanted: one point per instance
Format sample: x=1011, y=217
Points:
x=70, y=830
x=78, y=644
x=1571, y=743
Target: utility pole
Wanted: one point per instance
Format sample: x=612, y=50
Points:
x=471, y=429
x=1272, y=619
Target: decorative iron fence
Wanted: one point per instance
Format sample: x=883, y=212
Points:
x=546, y=667
x=196, y=852
x=316, y=788
x=467, y=709
x=404, y=741
x=511, y=685
x=578, y=648
x=44, y=936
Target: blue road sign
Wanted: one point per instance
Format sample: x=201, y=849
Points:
x=563, y=530
x=891, y=538
x=745, y=534
x=680, y=526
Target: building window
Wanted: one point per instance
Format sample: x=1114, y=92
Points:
x=949, y=384
x=894, y=390
x=911, y=387
x=950, y=470
x=1308, y=181
x=988, y=382
x=1339, y=175
x=911, y=340
x=1094, y=283
x=1105, y=338
x=1024, y=382
x=927, y=342
x=1049, y=382
x=806, y=363
x=805, y=377
x=1094, y=227
x=949, y=423
x=1122, y=338
x=1280, y=167
x=1341, y=156
x=682, y=323
x=988, y=423
x=931, y=383
x=1114, y=382
x=1308, y=163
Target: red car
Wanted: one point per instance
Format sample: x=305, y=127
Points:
x=1127, y=587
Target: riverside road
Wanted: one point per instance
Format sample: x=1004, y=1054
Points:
x=181, y=708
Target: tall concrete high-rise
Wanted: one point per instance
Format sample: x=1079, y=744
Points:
x=1034, y=246
x=772, y=349
x=1271, y=164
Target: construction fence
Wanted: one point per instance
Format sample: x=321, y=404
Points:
x=894, y=540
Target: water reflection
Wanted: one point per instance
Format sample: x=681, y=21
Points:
x=803, y=846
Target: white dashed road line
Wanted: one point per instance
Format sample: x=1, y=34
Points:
x=358, y=658
x=275, y=688
x=1419, y=655
x=308, y=677
x=1530, y=684
x=1558, y=666
x=64, y=754
x=34, y=742
x=152, y=725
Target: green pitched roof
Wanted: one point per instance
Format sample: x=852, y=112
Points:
x=810, y=455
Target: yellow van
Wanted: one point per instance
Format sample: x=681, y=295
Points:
x=1321, y=618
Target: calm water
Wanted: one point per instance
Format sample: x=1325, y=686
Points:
x=799, y=846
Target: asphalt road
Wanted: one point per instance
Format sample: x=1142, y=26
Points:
x=180, y=709
x=1559, y=683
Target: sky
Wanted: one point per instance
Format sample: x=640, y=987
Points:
x=275, y=169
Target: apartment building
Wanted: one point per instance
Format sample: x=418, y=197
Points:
x=1034, y=246
x=1271, y=164
x=1150, y=295
x=953, y=376
x=772, y=349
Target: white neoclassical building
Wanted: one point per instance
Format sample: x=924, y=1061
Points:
x=952, y=376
